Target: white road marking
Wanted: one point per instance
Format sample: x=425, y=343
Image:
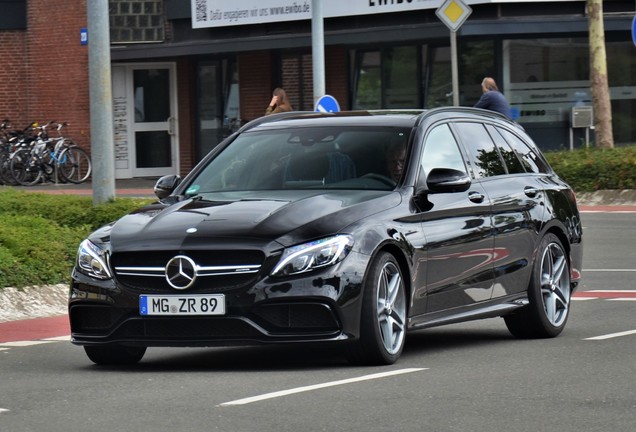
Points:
x=606, y=211
x=3, y=410
x=584, y=298
x=609, y=270
x=66, y=338
x=319, y=386
x=612, y=335
x=611, y=291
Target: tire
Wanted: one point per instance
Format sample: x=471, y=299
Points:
x=24, y=170
x=383, y=318
x=549, y=294
x=74, y=165
x=5, y=173
x=115, y=354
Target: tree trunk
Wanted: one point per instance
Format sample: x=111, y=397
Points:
x=598, y=76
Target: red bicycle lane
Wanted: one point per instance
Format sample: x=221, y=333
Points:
x=34, y=329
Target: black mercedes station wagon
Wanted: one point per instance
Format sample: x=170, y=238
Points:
x=350, y=228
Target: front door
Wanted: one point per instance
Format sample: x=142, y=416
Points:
x=144, y=101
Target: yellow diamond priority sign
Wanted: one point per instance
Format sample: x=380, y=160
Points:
x=453, y=13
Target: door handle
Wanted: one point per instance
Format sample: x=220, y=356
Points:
x=171, y=125
x=476, y=197
x=530, y=191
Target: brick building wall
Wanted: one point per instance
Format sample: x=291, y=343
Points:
x=185, y=114
x=255, y=89
x=12, y=87
x=56, y=76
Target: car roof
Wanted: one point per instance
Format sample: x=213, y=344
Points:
x=396, y=118
x=391, y=117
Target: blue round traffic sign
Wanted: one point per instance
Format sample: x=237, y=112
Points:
x=327, y=103
x=634, y=30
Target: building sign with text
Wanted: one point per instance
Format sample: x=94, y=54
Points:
x=218, y=13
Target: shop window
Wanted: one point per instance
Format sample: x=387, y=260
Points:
x=368, y=81
x=386, y=78
x=439, y=85
x=476, y=61
x=217, y=103
x=546, y=78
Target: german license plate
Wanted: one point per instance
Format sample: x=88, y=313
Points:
x=208, y=304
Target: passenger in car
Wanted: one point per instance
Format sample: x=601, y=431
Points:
x=395, y=155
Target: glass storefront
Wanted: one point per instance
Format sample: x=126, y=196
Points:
x=546, y=78
x=542, y=78
x=418, y=76
x=217, y=103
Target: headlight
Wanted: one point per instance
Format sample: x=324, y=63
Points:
x=92, y=260
x=313, y=255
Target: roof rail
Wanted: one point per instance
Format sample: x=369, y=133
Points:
x=273, y=118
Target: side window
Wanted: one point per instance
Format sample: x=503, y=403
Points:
x=529, y=158
x=509, y=156
x=483, y=154
x=441, y=151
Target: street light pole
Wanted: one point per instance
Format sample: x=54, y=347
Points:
x=101, y=102
x=318, y=49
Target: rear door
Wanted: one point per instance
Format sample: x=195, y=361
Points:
x=517, y=203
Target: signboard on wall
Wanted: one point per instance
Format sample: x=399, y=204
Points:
x=219, y=13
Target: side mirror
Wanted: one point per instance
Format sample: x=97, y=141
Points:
x=447, y=180
x=166, y=185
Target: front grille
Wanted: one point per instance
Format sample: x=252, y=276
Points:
x=218, y=271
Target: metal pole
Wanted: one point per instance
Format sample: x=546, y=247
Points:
x=318, y=49
x=101, y=101
x=454, y=69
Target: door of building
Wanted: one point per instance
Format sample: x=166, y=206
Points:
x=144, y=104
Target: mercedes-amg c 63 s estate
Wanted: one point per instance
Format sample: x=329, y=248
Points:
x=349, y=228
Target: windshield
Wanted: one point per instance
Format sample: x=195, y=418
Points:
x=302, y=158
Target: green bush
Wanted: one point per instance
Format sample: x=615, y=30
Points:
x=592, y=169
x=39, y=233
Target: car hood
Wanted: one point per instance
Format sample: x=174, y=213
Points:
x=286, y=217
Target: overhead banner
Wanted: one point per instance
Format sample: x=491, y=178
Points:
x=218, y=13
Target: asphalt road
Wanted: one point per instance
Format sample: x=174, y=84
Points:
x=468, y=377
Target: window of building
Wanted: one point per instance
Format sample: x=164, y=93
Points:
x=386, y=78
x=136, y=21
x=546, y=78
x=217, y=103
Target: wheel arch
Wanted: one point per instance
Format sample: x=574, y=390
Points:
x=402, y=260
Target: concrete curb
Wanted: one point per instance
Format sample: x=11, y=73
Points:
x=33, y=302
x=625, y=197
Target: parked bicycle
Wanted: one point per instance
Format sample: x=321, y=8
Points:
x=44, y=158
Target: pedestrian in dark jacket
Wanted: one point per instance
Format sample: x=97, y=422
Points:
x=492, y=99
